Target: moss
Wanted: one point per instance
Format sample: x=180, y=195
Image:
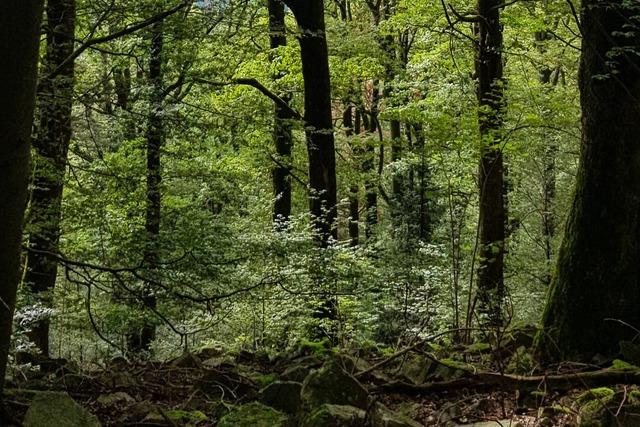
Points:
x=317, y=348
x=253, y=415
x=600, y=393
x=621, y=365
x=264, y=380
x=186, y=416
x=479, y=347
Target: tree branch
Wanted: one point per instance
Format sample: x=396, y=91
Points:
x=129, y=29
x=257, y=85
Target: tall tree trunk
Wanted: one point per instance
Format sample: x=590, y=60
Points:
x=491, y=171
x=282, y=127
x=593, y=301
x=19, y=38
x=549, y=167
x=368, y=167
x=51, y=144
x=141, y=339
x=354, y=205
x=317, y=116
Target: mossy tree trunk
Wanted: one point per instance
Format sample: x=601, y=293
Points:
x=19, y=38
x=492, y=214
x=597, y=280
x=51, y=144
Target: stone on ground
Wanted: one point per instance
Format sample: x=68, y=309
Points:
x=49, y=408
x=253, y=415
x=331, y=384
x=328, y=415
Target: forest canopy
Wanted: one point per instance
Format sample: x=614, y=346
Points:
x=454, y=182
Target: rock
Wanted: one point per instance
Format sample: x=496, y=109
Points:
x=282, y=395
x=448, y=370
x=209, y=352
x=48, y=407
x=187, y=360
x=328, y=415
x=295, y=373
x=253, y=415
x=331, y=384
x=381, y=416
x=116, y=398
x=409, y=409
x=450, y=412
x=352, y=364
x=140, y=410
x=416, y=369
x=216, y=362
x=609, y=411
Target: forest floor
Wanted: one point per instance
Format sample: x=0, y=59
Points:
x=198, y=389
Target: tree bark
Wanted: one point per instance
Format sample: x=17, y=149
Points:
x=597, y=276
x=317, y=116
x=140, y=339
x=19, y=38
x=354, y=205
x=51, y=144
x=491, y=171
x=282, y=127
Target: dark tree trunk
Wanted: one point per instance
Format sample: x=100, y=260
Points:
x=282, y=127
x=354, y=205
x=51, y=144
x=597, y=280
x=19, y=37
x=141, y=339
x=491, y=171
x=317, y=116
x=368, y=167
x=549, y=167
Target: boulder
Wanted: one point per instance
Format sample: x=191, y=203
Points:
x=328, y=415
x=416, y=369
x=187, y=360
x=381, y=416
x=332, y=384
x=48, y=407
x=295, y=373
x=253, y=415
x=117, y=398
x=282, y=395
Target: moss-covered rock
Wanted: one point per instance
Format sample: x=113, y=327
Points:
x=381, y=416
x=49, y=407
x=602, y=407
x=282, y=395
x=416, y=369
x=254, y=415
x=328, y=415
x=332, y=384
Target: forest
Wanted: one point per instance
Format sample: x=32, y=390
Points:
x=320, y=213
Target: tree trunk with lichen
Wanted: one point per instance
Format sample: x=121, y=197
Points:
x=593, y=300
x=51, y=144
x=19, y=38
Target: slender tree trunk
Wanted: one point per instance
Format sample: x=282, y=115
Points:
x=51, y=144
x=593, y=301
x=141, y=339
x=549, y=168
x=491, y=171
x=317, y=116
x=19, y=38
x=354, y=205
x=282, y=127
x=368, y=167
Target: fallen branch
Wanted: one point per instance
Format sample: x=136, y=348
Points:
x=488, y=380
